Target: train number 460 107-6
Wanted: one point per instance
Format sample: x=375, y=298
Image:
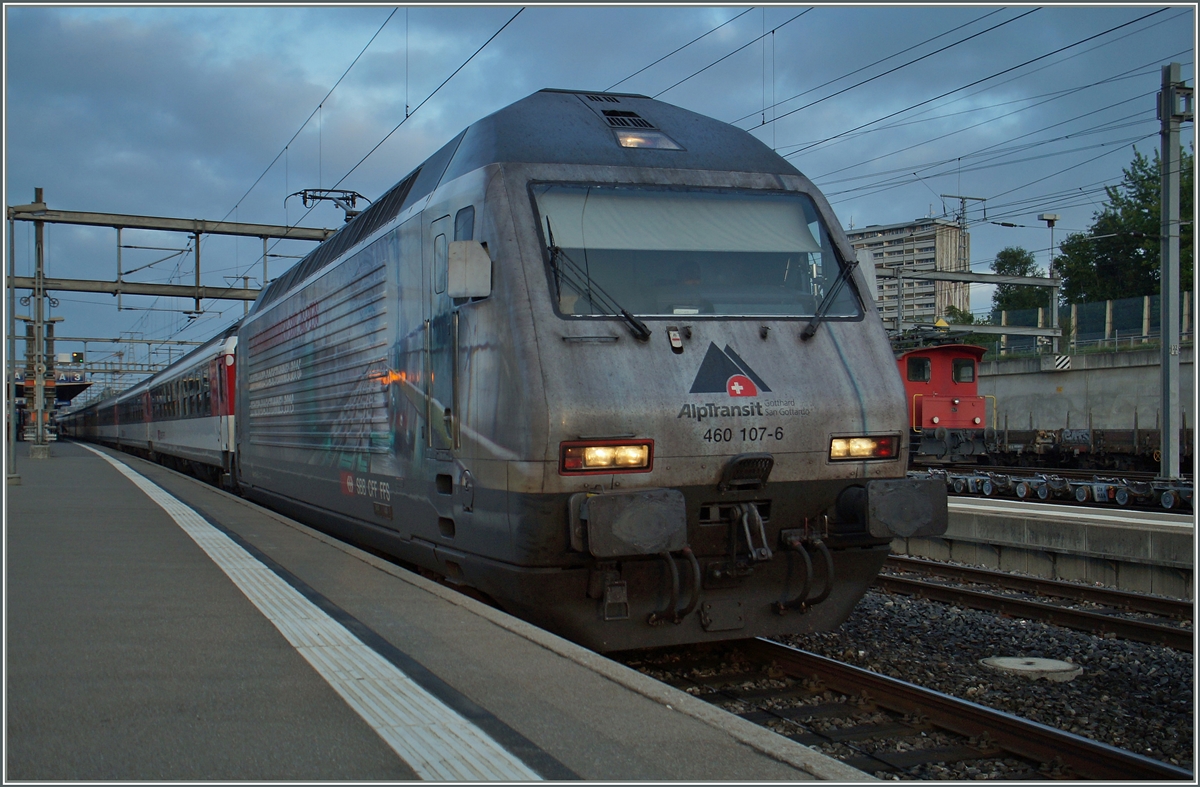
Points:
x=743, y=433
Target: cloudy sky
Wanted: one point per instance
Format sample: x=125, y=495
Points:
x=215, y=112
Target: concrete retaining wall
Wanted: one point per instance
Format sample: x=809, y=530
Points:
x=1108, y=387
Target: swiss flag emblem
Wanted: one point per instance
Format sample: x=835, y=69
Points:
x=741, y=385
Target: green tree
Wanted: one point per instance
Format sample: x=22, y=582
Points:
x=957, y=316
x=1015, y=261
x=1118, y=256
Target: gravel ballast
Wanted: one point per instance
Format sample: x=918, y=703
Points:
x=1135, y=696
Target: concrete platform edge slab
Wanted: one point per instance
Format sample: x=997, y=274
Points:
x=762, y=740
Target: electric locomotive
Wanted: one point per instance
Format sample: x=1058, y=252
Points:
x=562, y=362
x=600, y=358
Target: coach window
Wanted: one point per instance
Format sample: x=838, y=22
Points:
x=440, y=257
x=918, y=370
x=964, y=370
x=464, y=223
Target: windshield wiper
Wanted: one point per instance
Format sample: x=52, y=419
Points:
x=827, y=302
x=579, y=280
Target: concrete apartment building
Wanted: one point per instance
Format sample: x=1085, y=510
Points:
x=922, y=245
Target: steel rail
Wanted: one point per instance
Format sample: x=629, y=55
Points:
x=1029, y=739
x=1109, y=597
x=1136, y=630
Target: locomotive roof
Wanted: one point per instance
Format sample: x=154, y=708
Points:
x=576, y=127
x=552, y=127
x=946, y=349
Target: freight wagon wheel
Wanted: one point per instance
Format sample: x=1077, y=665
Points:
x=1022, y=490
x=986, y=487
x=959, y=485
x=1083, y=493
x=1169, y=499
x=1122, y=496
x=1043, y=492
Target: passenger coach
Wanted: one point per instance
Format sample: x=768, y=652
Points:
x=182, y=416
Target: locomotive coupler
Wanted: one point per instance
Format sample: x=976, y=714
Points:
x=751, y=517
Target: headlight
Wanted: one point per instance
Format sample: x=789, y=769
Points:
x=606, y=456
x=855, y=448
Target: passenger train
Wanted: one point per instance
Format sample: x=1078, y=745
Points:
x=603, y=359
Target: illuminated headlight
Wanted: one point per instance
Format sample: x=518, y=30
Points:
x=646, y=139
x=851, y=448
x=606, y=456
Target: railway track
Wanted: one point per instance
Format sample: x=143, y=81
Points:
x=879, y=724
x=1178, y=635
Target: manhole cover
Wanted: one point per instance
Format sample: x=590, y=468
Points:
x=1050, y=669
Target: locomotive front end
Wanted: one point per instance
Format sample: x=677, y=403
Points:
x=603, y=360
x=715, y=473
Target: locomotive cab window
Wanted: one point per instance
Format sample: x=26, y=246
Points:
x=464, y=223
x=441, y=257
x=660, y=252
x=963, y=370
x=919, y=370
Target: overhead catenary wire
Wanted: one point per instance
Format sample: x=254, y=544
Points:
x=1015, y=77
x=1052, y=97
x=680, y=49
x=1067, y=169
x=869, y=65
x=320, y=104
x=426, y=99
x=993, y=150
x=895, y=69
x=284, y=150
x=838, y=196
x=976, y=82
x=987, y=155
x=408, y=115
x=731, y=54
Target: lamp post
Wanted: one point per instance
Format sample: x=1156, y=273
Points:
x=1050, y=218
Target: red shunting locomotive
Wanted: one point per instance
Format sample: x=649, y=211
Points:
x=948, y=419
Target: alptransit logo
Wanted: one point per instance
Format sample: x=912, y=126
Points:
x=724, y=372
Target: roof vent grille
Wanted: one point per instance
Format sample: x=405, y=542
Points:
x=609, y=99
x=621, y=119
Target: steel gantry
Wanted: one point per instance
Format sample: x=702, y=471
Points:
x=40, y=214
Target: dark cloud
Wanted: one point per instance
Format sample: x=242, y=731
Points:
x=166, y=111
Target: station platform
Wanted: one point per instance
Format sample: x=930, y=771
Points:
x=161, y=629
x=1136, y=549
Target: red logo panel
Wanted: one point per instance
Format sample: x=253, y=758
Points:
x=741, y=385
